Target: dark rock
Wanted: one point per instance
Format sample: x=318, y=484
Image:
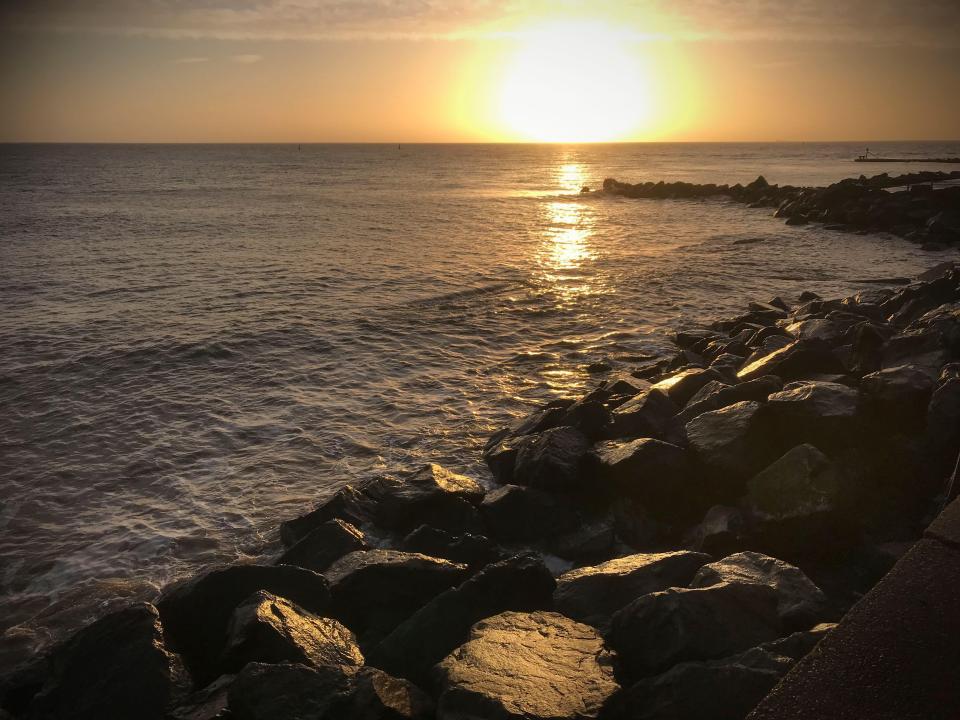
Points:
x=375, y=695
x=720, y=532
x=802, y=483
x=633, y=525
x=196, y=613
x=287, y=691
x=348, y=504
x=682, y=386
x=536, y=666
x=595, y=368
x=730, y=442
x=648, y=414
x=593, y=593
x=800, y=603
x=943, y=426
x=521, y=583
x=501, y=457
x=824, y=413
x=922, y=349
x=208, y=703
x=795, y=361
x=662, y=629
x=431, y=495
x=115, y=668
x=270, y=629
x=725, y=689
x=472, y=550
x=552, y=461
x=373, y=591
x=590, y=417
x=591, y=542
x=807, y=296
x=322, y=546
x=899, y=395
x=656, y=473
x=515, y=513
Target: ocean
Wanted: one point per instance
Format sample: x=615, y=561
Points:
x=199, y=341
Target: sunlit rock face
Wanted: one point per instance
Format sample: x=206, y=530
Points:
x=537, y=666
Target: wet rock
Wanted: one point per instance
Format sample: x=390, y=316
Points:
x=795, y=361
x=730, y=441
x=472, y=550
x=796, y=504
x=375, y=695
x=800, y=603
x=921, y=349
x=552, y=461
x=515, y=513
x=720, y=533
x=286, y=691
x=648, y=414
x=900, y=394
x=349, y=504
x=208, y=703
x=656, y=473
x=825, y=413
x=322, y=546
x=432, y=495
x=714, y=396
x=270, y=629
x=817, y=328
x=664, y=628
x=591, y=542
x=593, y=593
x=375, y=590
x=196, y=613
x=501, y=457
x=682, y=386
x=536, y=666
x=725, y=689
x=521, y=583
x=589, y=416
x=633, y=524
x=115, y=668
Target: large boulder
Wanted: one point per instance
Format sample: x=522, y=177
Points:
x=654, y=472
x=647, y=414
x=796, y=502
x=319, y=548
x=431, y=495
x=287, y=691
x=594, y=593
x=824, y=413
x=515, y=513
x=270, y=629
x=472, y=550
x=731, y=443
x=796, y=361
x=350, y=504
x=195, y=613
x=800, y=603
x=113, y=669
x=659, y=630
x=552, y=461
x=685, y=384
x=375, y=695
x=899, y=395
x=521, y=583
x=725, y=689
x=375, y=590
x=535, y=666
x=719, y=533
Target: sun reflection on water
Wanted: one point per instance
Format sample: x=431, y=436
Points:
x=566, y=251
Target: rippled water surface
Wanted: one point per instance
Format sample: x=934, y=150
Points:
x=197, y=342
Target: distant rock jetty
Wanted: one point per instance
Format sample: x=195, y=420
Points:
x=668, y=545
x=919, y=211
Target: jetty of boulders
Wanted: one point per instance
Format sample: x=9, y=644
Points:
x=668, y=545
x=923, y=207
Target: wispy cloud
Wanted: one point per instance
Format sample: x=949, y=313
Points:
x=246, y=59
x=881, y=22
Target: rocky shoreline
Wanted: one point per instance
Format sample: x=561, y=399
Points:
x=667, y=546
x=909, y=205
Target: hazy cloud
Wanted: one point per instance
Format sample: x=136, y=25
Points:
x=895, y=22
x=191, y=60
x=246, y=59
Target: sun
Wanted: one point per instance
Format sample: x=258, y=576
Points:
x=575, y=82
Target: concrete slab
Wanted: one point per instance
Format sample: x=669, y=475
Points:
x=896, y=654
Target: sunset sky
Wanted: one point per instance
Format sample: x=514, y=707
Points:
x=478, y=70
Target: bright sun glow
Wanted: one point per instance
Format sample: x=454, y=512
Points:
x=576, y=82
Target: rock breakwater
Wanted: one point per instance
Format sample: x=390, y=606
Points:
x=910, y=205
x=668, y=545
